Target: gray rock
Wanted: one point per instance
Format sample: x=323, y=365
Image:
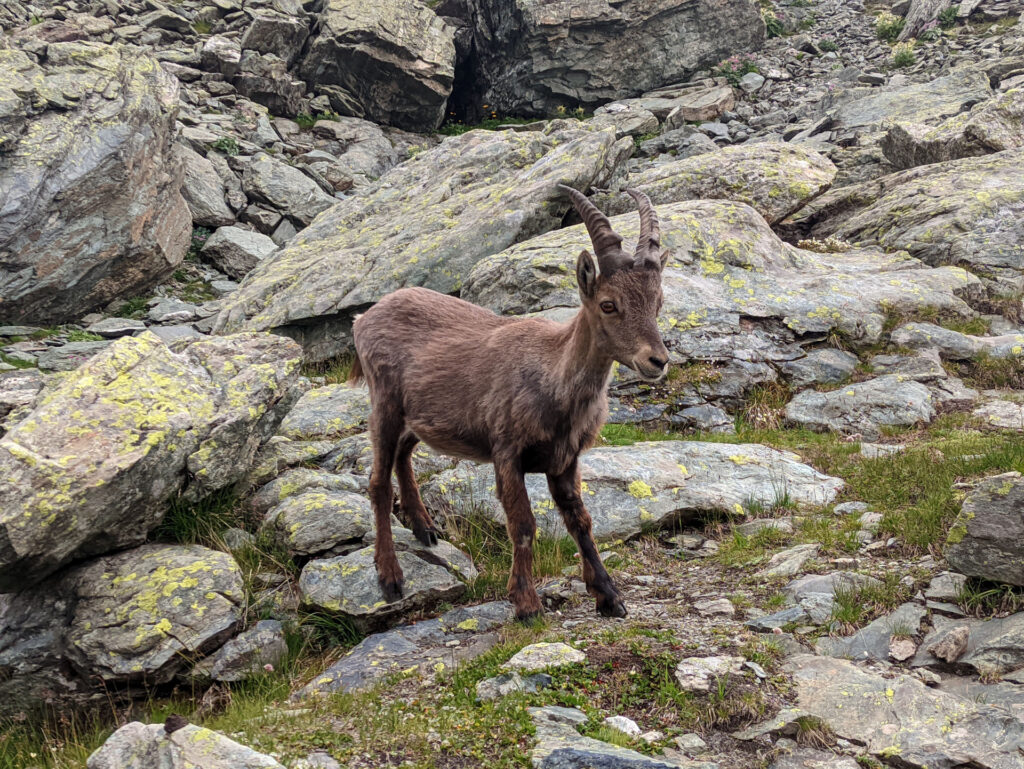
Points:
x=528, y=66
x=285, y=188
x=299, y=479
x=810, y=758
x=750, y=528
x=221, y=54
x=276, y=33
x=316, y=521
x=863, y=407
x=176, y=333
x=779, y=619
x=775, y=179
x=358, y=146
x=138, y=746
x=90, y=174
x=541, y=656
x=237, y=251
x=629, y=488
x=19, y=389
x=328, y=413
x=682, y=143
x=509, y=683
x=622, y=724
x=392, y=236
x=112, y=328
x=901, y=716
x=203, y=190
x=697, y=673
x=266, y=80
x=946, y=586
x=825, y=365
x=625, y=119
x=424, y=646
x=247, y=653
x=872, y=641
x=986, y=538
x=172, y=311
x=120, y=437
x=829, y=584
x=1001, y=415
x=789, y=562
x=925, y=367
x=950, y=344
x=390, y=62
x=704, y=418
x=348, y=585
x=69, y=356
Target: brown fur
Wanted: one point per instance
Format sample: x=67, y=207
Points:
x=527, y=394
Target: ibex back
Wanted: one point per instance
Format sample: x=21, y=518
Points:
x=527, y=394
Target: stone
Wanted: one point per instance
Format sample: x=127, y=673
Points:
x=863, y=407
x=625, y=120
x=299, y=479
x=237, y=251
x=631, y=488
x=528, y=66
x=701, y=106
x=985, y=539
x=789, y=562
x=750, y=528
x=991, y=126
x=316, y=521
x=392, y=236
x=690, y=742
x=945, y=586
x=121, y=437
x=508, y=683
x=285, y=188
x=421, y=646
x=873, y=642
x=682, y=143
x=829, y=584
x=328, y=413
x=902, y=649
x=774, y=178
x=171, y=311
x=994, y=647
x=390, y=62
x=140, y=746
x=704, y=418
x=936, y=213
x=925, y=367
x=696, y=674
x=348, y=585
x=266, y=80
x=826, y=365
x=221, y=54
x=70, y=356
x=719, y=607
x=622, y=724
x=359, y=147
x=810, y=758
x=541, y=656
x=778, y=620
x=90, y=174
x=111, y=328
x=951, y=646
x=901, y=716
x=19, y=389
x=950, y=344
x=726, y=265
x=276, y=33
x=203, y=190
x=1000, y=415
x=249, y=652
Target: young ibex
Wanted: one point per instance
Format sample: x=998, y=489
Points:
x=526, y=394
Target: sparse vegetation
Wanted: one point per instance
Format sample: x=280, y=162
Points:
x=735, y=67
x=457, y=128
x=947, y=17
x=888, y=26
x=903, y=55
x=828, y=44
x=226, y=145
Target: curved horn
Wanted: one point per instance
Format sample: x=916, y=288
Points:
x=602, y=235
x=650, y=232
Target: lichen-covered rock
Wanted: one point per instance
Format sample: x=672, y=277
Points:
x=955, y=345
x=140, y=746
x=901, y=717
x=329, y=412
x=993, y=647
x=872, y=641
x=348, y=585
x=285, y=189
x=864, y=407
x=630, y=488
x=236, y=251
x=203, y=190
x=90, y=180
x=540, y=656
x=528, y=63
x=418, y=228
x=388, y=61
x=698, y=673
x=987, y=538
x=732, y=289
x=140, y=614
x=317, y=520
x=992, y=126
x=92, y=466
x=968, y=211
x=300, y=479
x=823, y=366
x=1001, y=415
x=250, y=652
x=774, y=178
x=19, y=389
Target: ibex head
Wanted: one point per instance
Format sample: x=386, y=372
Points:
x=622, y=293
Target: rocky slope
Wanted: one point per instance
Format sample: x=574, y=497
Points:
x=814, y=518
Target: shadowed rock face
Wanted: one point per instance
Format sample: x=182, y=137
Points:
x=90, y=189
x=535, y=56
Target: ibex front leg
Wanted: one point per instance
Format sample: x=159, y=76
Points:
x=521, y=527
x=565, y=490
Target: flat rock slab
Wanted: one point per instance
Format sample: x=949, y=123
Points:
x=328, y=413
x=900, y=716
x=1001, y=415
x=318, y=520
x=994, y=647
x=93, y=464
x=864, y=407
x=541, y=656
x=69, y=356
x=423, y=645
x=415, y=229
x=630, y=488
x=873, y=641
x=248, y=653
x=775, y=179
x=987, y=538
x=348, y=585
x=698, y=673
x=789, y=562
x=141, y=746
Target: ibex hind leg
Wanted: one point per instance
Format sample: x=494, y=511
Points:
x=413, y=511
x=386, y=427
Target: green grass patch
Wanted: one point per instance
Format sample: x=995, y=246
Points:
x=457, y=128
x=888, y=26
x=18, y=364
x=133, y=308
x=334, y=371
x=857, y=605
x=78, y=335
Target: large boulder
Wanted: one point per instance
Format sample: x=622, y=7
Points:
x=426, y=223
x=865, y=407
x=992, y=126
x=534, y=57
x=631, y=488
x=90, y=182
x=91, y=467
x=285, y=188
x=987, y=538
x=968, y=211
x=733, y=291
x=140, y=746
x=774, y=178
x=389, y=61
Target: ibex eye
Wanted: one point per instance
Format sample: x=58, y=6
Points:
x=608, y=307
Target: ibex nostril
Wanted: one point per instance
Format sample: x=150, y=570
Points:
x=657, y=362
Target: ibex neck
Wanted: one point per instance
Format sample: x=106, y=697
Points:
x=585, y=366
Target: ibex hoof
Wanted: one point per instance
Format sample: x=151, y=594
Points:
x=392, y=589
x=427, y=535
x=611, y=607
x=528, y=615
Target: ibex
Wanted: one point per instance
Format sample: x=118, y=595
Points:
x=527, y=394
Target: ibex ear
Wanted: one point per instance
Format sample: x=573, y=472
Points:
x=664, y=258
x=586, y=274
